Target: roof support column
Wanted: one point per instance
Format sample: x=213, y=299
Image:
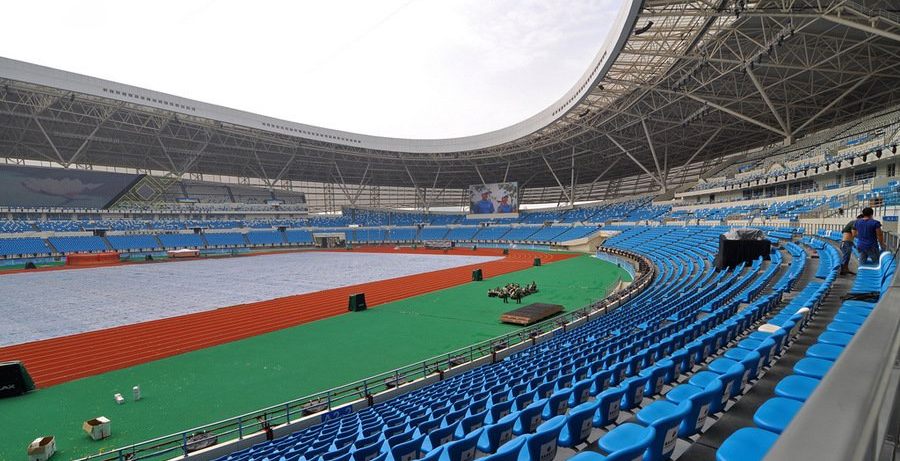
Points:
x=561, y=187
x=343, y=184
x=736, y=114
x=362, y=183
x=419, y=194
x=50, y=141
x=832, y=103
x=572, y=180
x=477, y=170
x=705, y=143
x=653, y=153
x=862, y=27
x=765, y=97
x=603, y=173
x=663, y=186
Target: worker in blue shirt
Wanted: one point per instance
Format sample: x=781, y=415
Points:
x=485, y=205
x=868, y=237
x=504, y=206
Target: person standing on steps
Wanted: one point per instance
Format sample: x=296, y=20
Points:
x=869, y=236
x=847, y=246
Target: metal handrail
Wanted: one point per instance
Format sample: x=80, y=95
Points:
x=241, y=426
x=852, y=415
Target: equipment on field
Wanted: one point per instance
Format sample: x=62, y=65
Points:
x=534, y=312
x=14, y=379
x=98, y=428
x=742, y=245
x=41, y=448
x=92, y=259
x=357, y=302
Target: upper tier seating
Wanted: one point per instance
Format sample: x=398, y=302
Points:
x=59, y=226
x=14, y=226
x=116, y=224
x=445, y=219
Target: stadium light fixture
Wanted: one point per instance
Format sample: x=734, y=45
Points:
x=643, y=29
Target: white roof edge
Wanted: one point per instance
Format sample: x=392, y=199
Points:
x=46, y=76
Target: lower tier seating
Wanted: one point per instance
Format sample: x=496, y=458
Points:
x=630, y=382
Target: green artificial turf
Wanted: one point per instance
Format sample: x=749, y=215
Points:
x=219, y=382
x=39, y=265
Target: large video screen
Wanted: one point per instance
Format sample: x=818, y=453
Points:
x=494, y=199
x=26, y=186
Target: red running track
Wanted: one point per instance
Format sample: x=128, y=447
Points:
x=57, y=360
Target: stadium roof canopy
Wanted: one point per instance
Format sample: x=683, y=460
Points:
x=677, y=82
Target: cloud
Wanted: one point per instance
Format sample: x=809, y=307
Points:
x=402, y=68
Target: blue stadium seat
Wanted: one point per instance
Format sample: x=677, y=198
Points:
x=578, y=425
x=776, y=413
x=497, y=434
x=665, y=418
x=542, y=445
x=746, y=444
x=628, y=436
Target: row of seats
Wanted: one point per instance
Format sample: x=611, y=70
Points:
x=774, y=415
x=786, y=209
x=561, y=391
x=633, y=210
x=22, y=247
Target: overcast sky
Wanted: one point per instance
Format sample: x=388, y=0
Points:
x=403, y=68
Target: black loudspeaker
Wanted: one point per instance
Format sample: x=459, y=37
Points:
x=30, y=265
x=477, y=275
x=14, y=379
x=537, y=261
x=357, y=302
x=506, y=251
